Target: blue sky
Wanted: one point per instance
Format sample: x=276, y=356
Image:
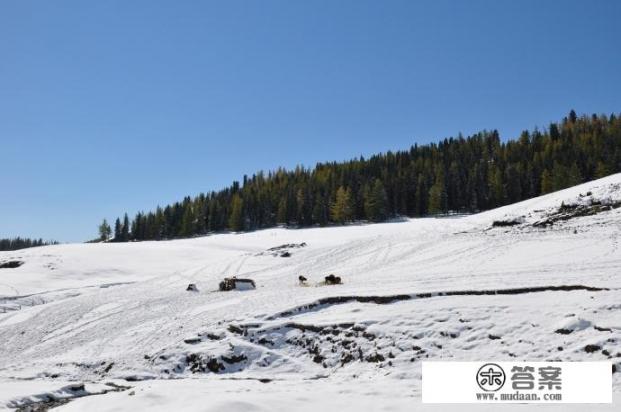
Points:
x=118, y=106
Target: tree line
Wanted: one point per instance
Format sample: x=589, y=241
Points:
x=458, y=174
x=23, y=243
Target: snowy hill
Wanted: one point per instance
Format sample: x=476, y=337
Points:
x=536, y=280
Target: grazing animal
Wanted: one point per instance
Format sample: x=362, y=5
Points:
x=302, y=280
x=333, y=280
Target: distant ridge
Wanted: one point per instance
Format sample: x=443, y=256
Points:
x=470, y=174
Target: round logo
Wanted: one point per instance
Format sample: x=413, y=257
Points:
x=490, y=377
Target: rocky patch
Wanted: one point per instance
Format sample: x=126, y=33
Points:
x=571, y=211
x=283, y=250
x=507, y=223
x=11, y=264
x=46, y=401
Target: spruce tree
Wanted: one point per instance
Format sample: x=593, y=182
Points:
x=574, y=176
x=572, y=116
x=602, y=170
x=104, y=231
x=375, y=202
x=118, y=235
x=437, y=195
x=496, y=187
x=281, y=214
x=188, y=222
x=341, y=210
x=320, y=210
x=236, y=220
x=125, y=229
x=546, y=182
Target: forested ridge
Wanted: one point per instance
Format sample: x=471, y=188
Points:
x=23, y=243
x=459, y=174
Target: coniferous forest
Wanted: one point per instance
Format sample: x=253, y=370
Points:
x=21, y=243
x=459, y=174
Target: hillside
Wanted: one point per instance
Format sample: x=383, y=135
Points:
x=535, y=280
x=466, y=175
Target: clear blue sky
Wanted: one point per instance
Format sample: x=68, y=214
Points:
x=114, y=106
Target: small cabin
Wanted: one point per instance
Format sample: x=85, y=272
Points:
x=236, y=284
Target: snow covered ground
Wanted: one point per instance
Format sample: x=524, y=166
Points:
x=538, y=280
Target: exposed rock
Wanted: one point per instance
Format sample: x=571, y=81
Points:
x=11, y=264
x=376, y=357
x=506, y=223
x=592, y=348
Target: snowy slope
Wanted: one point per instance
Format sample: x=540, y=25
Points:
x=461, y=288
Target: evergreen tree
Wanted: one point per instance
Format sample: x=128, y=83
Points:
x=104, y=231
x=341, y=210
x=302, y=216
x=602, y=170
x=125, y=229
x=188, y=222
x=437, y=195
x=546, y=182
x=514, y=186
x=320, y=211
x=496, y=187
x=118, y=235
x=572, y=116
x=375, y=202
x=421, y=197
x=236, y=220
x=281, y=214
x=574, y=176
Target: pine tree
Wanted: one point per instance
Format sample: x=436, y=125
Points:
x=602, y=170
x=301, y=215
x=125, y=229
x=118, y=235
x=496, y=186
x=375, y=202
x=236, y=221
x=104, y=231
x=159, y=226
x=574, y=176
x=341, y=210
x=546, y=182
x=281, y=214
x=572, y=116
x=188, y=222
x=514, y=186
x=421, y=197
x=559, y=177
x=320, y=211
x=437, y=195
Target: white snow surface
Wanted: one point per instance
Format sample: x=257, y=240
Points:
x=97, y=313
